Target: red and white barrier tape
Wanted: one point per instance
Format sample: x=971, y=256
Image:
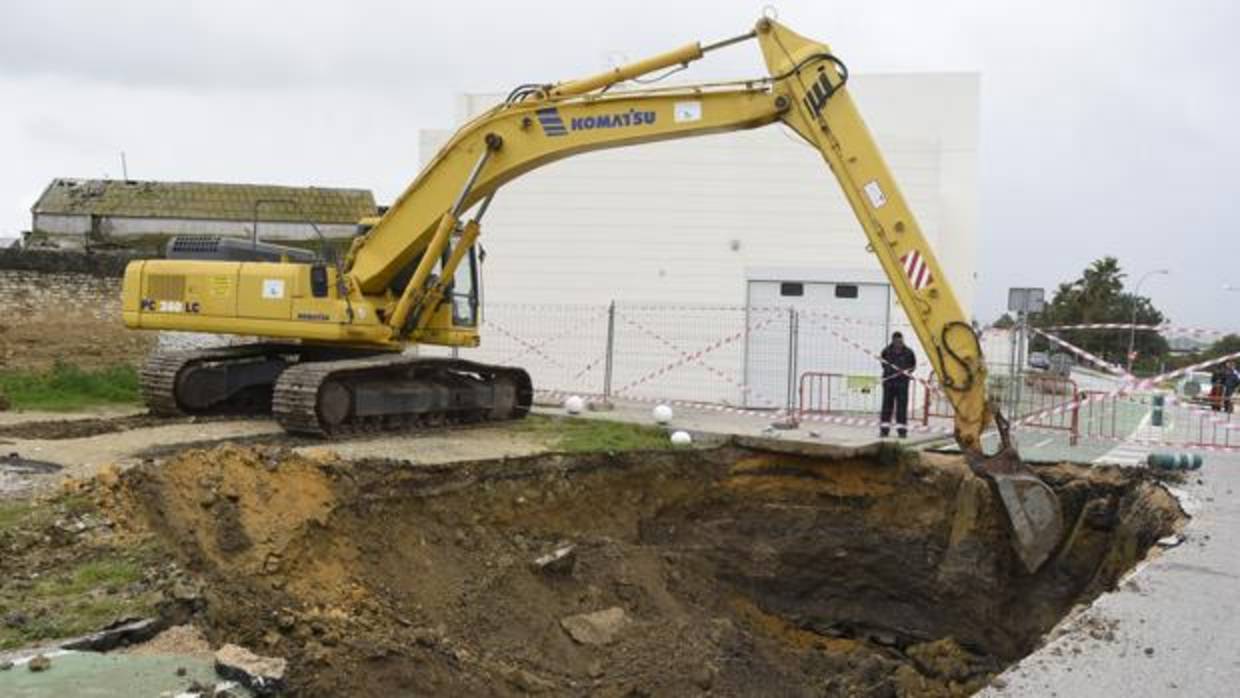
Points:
x=869, y=352
x=537, y=347
x=1161, y=329
x=696, y=357
x=867, y=422
x=1092, y=358
x=687, y=358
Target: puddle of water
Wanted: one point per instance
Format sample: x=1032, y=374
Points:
x=93, y=675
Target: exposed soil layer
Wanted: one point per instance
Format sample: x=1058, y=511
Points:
x=738, y=572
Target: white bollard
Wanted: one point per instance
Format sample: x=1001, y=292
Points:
x=662, y=414
x=681, y=438
x=574, y=404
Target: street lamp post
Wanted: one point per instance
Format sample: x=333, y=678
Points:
x=1136, y=296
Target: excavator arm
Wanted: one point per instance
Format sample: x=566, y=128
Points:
x=391, y=288
x=807, y=91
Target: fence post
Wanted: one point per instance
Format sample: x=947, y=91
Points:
x=610, y=353
x=1075, y=434
x=790, y=422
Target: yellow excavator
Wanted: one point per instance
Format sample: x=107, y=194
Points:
x=333, y=360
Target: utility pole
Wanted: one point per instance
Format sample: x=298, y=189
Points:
x=124, y=167
x=1024, y=302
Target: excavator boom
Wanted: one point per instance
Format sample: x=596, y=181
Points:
x=401, y=280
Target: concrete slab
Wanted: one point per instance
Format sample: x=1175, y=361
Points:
x=723, y=423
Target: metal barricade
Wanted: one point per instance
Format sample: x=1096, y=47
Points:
x=1048, y=402
x=815, y=391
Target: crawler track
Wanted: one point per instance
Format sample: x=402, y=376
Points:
x=159, y=375
x=305, y=393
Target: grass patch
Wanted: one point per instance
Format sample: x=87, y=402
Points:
x=56, y=585
x=14, y=512
x=66, y=387
x=78, y=599
x=575, y=435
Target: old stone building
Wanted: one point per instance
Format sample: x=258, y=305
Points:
x=76, y=212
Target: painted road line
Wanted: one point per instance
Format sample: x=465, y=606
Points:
x=1132, y=454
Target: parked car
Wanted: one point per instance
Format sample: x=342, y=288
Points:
x=1039, y=360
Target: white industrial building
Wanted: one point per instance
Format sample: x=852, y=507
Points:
x=748, y=219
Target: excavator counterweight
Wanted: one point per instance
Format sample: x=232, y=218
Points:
x=334, y=363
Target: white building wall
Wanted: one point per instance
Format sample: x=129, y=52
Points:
x=692, y=222
x=681, y=221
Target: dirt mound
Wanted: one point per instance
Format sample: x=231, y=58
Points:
x=674, y=573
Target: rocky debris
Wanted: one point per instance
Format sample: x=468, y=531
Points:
x=6, y=665
x=559, y=561
x=598, y=628
x=946, y=659
x=181, y=640
x=39, y=662
x=264, y=675
x=525, y=681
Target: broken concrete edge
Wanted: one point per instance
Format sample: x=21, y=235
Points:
x=20, y=658
x=263, y=675
x=1062, y=632
x=122, y=633
x=805, y=448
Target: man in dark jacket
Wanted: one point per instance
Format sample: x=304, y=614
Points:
x=1231, y=381
x=898, y=365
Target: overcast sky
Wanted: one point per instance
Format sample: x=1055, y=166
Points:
x=1107, y=127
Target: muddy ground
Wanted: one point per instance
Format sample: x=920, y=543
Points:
x=37, y=342
x=725, y=571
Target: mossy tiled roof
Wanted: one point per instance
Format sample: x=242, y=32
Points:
x=203, y=200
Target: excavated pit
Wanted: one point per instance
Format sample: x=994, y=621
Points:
x=734, y=571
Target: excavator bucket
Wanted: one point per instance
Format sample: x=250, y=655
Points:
x=1032, y=506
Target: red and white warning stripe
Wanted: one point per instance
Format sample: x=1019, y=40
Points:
x=1161, y=329
x=864, y=422
x=695, y=357
x=698, y=358
x=1093, y=359
x=916, y=269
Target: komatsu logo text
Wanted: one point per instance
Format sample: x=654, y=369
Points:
x=553, y=124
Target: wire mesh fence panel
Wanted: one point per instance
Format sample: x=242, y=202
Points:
x=696, y=353
x=562, y=346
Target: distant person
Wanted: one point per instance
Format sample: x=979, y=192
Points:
x=1216, y=388
x=1231, y=380
x=898, y=365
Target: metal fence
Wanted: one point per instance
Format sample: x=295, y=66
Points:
x=763, y=358
x=781, y=360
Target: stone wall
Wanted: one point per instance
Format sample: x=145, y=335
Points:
x=35, y=295
x=110, y=264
